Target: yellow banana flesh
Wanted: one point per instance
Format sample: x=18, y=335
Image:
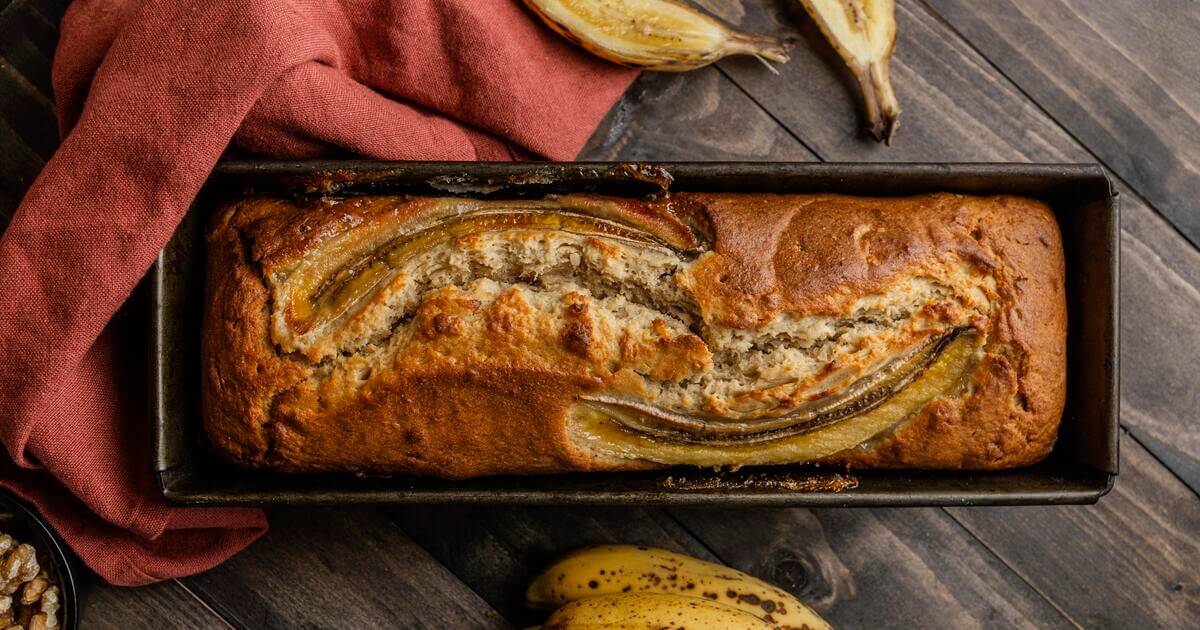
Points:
x=630, y=569
x=864, y=33
x=650, y=611
x=652, y=34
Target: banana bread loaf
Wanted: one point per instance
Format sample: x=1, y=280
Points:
x=458, y=337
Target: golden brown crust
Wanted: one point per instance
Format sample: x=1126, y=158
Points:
x=485, y=387
x=1020, y=388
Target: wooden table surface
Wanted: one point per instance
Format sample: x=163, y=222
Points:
x=1114, y=82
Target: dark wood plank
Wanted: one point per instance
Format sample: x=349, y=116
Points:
x=28, y=126
x=497, y=551
x=876, y=568
x=24, y=16
x=1121, y=77
x=28, y=130
x=162, y=606
x=29, y=114
x=695, y=116
x=343, y=568
x=19, y=165
x=20, y=52
x=52, y=10
x=1160, y=336
x=1095, y=562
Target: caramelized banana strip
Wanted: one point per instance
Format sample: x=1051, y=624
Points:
x=318, y=296
x=595, y=429
x=863, y=395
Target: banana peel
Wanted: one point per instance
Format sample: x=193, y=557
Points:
x=615, y=570
x=650, y=611
x=864, y=33
x=662, y=35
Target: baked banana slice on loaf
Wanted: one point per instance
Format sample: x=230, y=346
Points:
x=458, y=337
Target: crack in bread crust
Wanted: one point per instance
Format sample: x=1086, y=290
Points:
x=630, y=302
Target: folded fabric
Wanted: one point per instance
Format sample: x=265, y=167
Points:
x=149, y=96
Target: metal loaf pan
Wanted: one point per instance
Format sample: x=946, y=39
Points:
x=1080, y=470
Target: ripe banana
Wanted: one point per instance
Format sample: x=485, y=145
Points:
x=614, y=569
x=647, y=611
x=652, y=34
x=864, y=33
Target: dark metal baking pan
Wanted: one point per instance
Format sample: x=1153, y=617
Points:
x=1080, y=470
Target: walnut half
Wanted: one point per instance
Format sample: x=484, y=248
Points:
x=29, y=599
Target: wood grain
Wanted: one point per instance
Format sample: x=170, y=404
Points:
x=876, y=568
x=163, y=606
x=339, y=568
x=956, y=106
x=28, y=132
x=1160, y=336
x=1128, y=562
x=1122, y=76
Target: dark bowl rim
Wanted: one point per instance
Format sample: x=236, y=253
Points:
x=63, y=564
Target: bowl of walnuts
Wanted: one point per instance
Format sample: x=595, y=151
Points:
x=37, y=586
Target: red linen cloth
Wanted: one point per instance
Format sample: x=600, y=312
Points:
x=149, y=95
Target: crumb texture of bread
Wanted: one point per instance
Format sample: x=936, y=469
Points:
x=459, y=338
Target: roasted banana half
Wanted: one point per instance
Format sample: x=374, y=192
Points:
x=864, y=33
x=660, y=35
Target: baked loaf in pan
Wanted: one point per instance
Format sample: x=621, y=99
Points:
x=458, y=337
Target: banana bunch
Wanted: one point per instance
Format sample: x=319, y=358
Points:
x=626, y=586
x=652, y=34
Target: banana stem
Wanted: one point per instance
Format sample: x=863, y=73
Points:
x=882, y=108
x=761, y=46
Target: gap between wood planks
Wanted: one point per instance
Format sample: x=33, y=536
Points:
x=203, y=603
